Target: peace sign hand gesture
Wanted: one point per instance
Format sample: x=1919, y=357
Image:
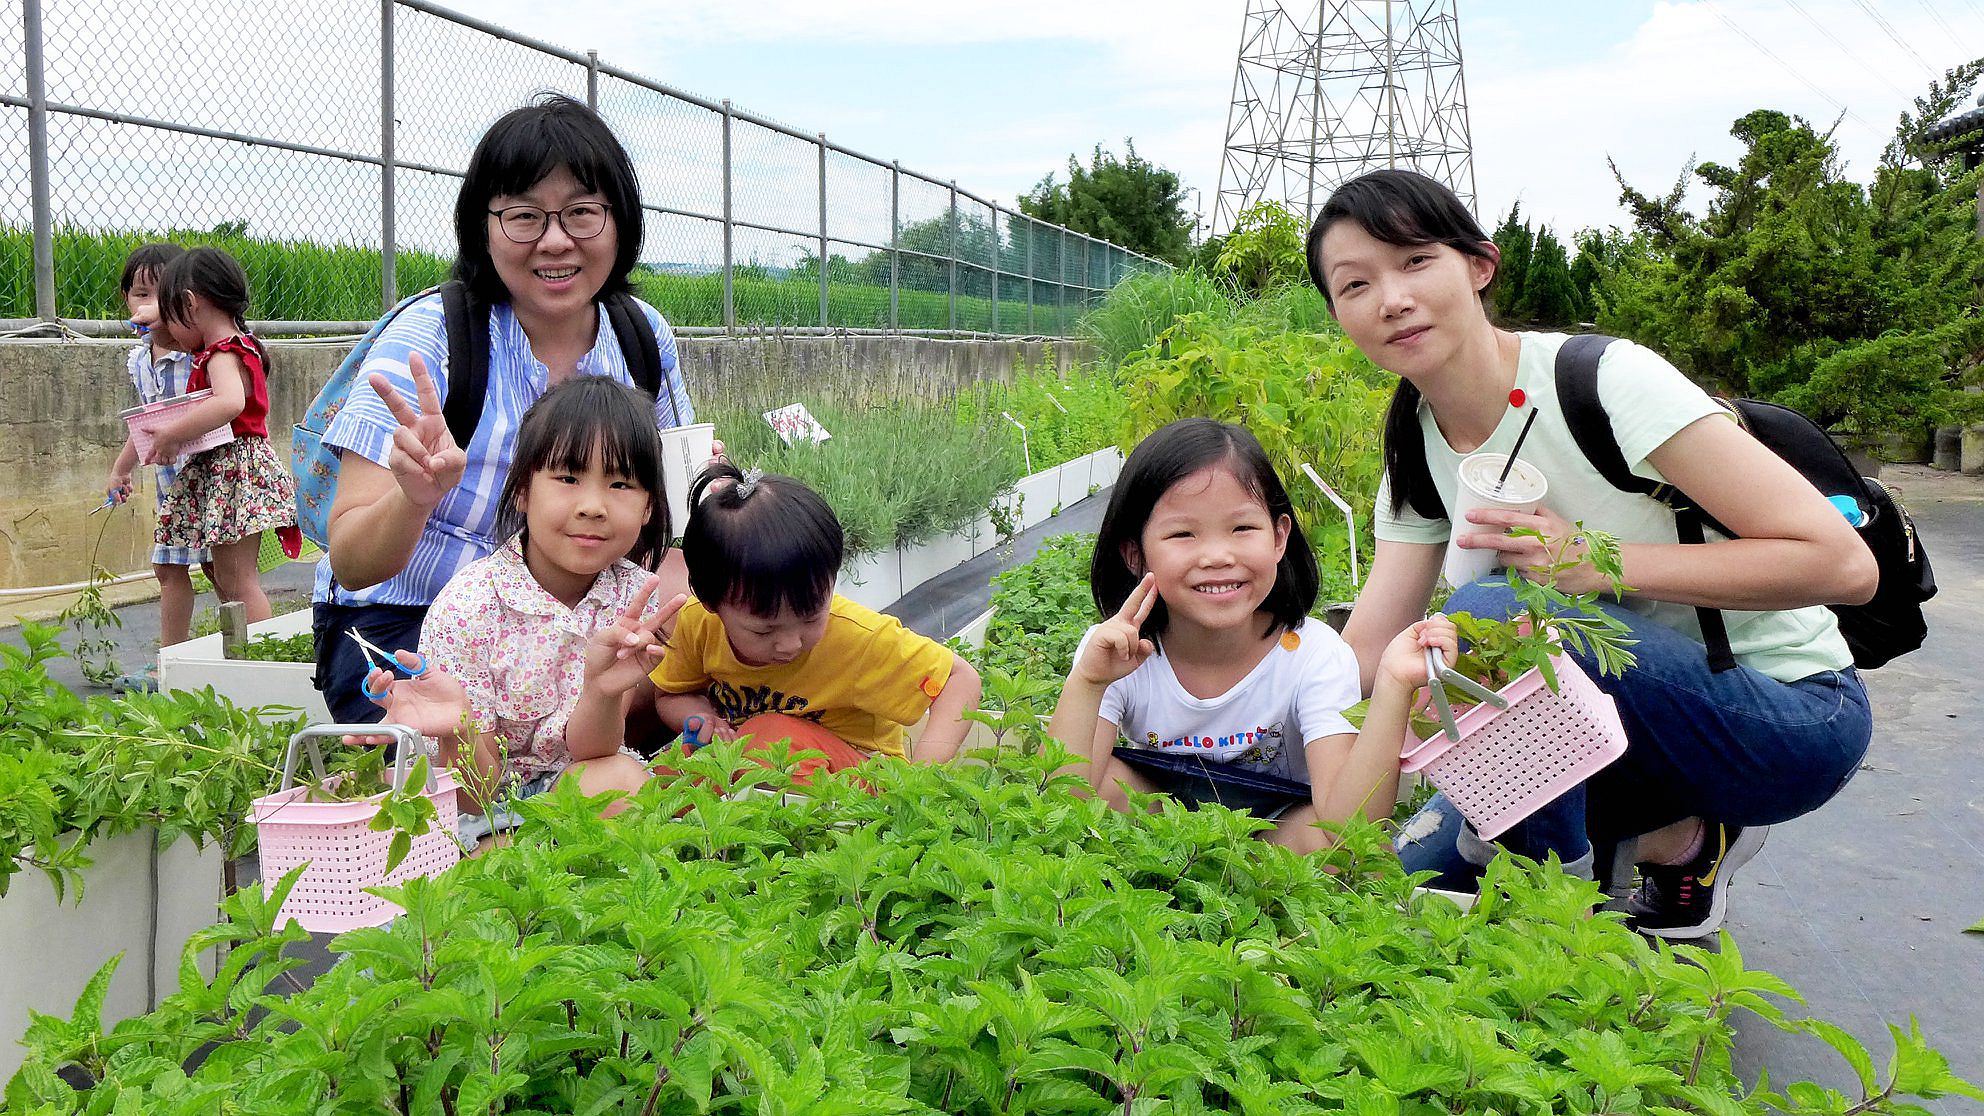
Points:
x=1116, y=646
x=425, y=459
x=622, y=653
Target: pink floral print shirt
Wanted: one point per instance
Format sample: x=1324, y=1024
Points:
x=519, y=652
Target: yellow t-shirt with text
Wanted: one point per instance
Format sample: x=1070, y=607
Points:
x=865, y=681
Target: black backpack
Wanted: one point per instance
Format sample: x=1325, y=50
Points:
x=1889, y=625
x=468, y=344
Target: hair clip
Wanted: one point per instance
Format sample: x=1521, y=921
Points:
x=749, y=483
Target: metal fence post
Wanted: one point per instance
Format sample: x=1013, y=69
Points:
x=41, y=203
x=1029, y=275
x=996, y=262
x=1061, y=288
x=729, y=233
x=592, y=80
x=895, y=243
x=953, y=255
x=823, y=232
x=389, y=286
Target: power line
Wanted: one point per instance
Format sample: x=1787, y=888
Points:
x=1945, y=25
x=1888, y=28
x=1846, y=50
x=1772, y=55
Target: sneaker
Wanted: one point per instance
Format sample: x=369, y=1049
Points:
x=1689, y=900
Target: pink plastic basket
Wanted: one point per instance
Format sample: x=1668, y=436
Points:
x=146, y=421
x=1509, y=762
x=344, y=856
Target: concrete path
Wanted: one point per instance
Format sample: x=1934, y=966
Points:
x=1862, y=905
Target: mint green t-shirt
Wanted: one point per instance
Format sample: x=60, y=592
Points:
x=1649, y=401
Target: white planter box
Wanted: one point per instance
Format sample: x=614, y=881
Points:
x=1039, y=495
x=984, y=536
x=939, y=556
x=1075, y=480
x=198, y=663
x=53, y=949
x=874, y=580
x=1108, y=466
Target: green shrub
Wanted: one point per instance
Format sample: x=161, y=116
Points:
x=1309, y=397
x=893, y=475
x=74, y=769
x=1040, y=610
x=1065, y=416
x=970, y=938
x=1141, y=307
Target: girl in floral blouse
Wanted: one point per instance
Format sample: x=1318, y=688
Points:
x=537, y=652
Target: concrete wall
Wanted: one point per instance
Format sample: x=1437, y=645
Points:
x=59, y=430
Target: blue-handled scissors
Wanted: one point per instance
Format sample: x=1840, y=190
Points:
x=378, y=657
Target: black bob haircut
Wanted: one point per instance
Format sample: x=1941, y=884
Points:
x=214, y=276
x=1169, y=455
x=147, y=259
x=760, y=545
x=1405, y=208
x=565, y=428
x=514, y=155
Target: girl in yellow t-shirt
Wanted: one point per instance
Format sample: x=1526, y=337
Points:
x=769, y=650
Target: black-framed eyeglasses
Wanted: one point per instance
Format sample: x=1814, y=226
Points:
x=525, y=224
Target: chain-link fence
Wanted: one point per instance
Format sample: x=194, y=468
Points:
x=328, y=157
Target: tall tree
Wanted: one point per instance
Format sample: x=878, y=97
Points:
x=1514, y=238
x=1129, y=202
x=1549, y=297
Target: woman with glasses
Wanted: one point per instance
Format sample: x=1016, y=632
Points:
x=548, y=225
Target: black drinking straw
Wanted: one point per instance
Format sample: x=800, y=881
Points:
x=1511, y=462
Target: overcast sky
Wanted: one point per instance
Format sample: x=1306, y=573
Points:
x=997, y=92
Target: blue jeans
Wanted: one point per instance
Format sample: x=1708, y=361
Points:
x=1737, y=747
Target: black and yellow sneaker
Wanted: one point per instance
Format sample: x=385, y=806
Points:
x=1689, y=900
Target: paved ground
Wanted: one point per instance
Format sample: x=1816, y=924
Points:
x=1860, y=906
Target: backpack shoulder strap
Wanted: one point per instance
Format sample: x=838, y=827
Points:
x=1584, y=413
x=638, y=346
x=468, y=360
x=1591, y=428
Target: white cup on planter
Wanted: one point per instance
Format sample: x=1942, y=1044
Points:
x=1523, y=491
x=684, y=452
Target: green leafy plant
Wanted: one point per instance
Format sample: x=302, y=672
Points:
x=1264, y=250
x=1039, y=611
x=972, y=938
x=1310, y=398
x=91, y=619
x=298, y=648
x=74, y=769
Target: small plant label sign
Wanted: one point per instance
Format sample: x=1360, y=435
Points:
x=795, y=423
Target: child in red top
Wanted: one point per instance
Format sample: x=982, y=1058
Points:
x=226, y=496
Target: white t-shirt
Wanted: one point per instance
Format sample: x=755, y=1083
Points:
x=1649, y=401
x=1296, y=694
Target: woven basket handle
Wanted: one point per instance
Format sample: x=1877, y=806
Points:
x=408, y=740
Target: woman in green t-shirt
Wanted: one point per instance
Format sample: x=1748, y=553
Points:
x=1713, y=757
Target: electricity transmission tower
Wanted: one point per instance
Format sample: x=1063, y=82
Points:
x=1346, y=86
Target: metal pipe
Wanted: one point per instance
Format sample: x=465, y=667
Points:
x=823, y=231
x=389, y=287
x=1029, y=271
x=729, y=232
x=41, y=201
x=895, y=242
x=953, y=298
x=213, y=133
x=592, y=80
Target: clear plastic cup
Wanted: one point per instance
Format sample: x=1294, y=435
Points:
x=1523, y=491
x=684, y=452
